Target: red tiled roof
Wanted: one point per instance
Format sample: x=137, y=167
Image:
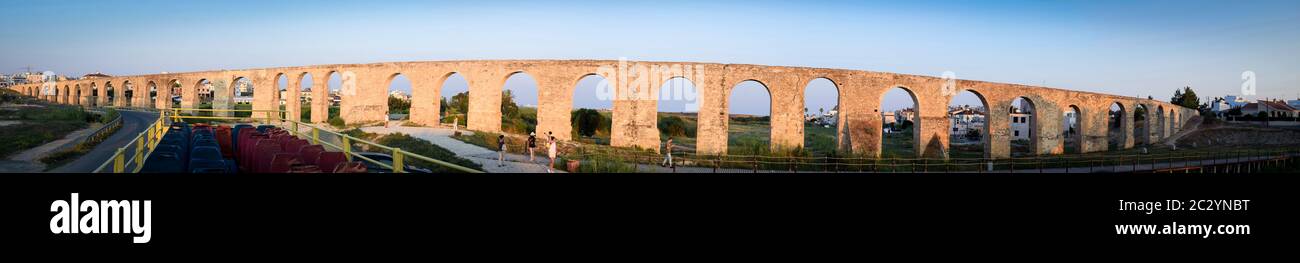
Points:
x=1277, y=106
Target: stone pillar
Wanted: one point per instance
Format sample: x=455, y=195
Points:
x=223, y=93
x=190, y=92
x=555, y=105
x=164, y=99
x=787, y=113
x=293, y=93
x=264, y=95
x=1149, y=126
x=999, y=125
x=425, y=86
x=1093, y=127
x=485, y=100
x=1047, y=119
x=365, y=98
x=319, y=96
x=860, y=117
x=101, y=96
x=711, y=122
x=1126, y=126
x=84, y=98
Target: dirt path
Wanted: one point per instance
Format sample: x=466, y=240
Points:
x=28, y=161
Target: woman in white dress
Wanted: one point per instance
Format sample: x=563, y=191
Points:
x=551, y=153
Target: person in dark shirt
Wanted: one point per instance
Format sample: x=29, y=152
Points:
x=501, y=150
x=532, y=145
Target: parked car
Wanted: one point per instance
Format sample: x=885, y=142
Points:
x=386, y=159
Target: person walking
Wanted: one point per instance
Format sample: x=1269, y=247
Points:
x=532, y=145
x=551, y=153
x=386, y=118
x=668, y=153
x=501, y=150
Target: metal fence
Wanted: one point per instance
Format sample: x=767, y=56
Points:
x=1193, y=160
x=143, y=144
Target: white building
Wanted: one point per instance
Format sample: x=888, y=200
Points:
x=399, y=95
x=1235, y=102
x=963, y=120
x=1219, y=106
x=1020, y=126
x=905, y=115
x=1271, y=108
x=1070, y=123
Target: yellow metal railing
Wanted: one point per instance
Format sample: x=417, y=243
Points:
x=147, y=139
x=150, y=138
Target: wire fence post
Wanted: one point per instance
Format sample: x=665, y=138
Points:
x=347, y=147
x=139, y=154
x=117, y=161
x=398, y=165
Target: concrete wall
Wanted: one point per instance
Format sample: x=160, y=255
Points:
x=635, y=102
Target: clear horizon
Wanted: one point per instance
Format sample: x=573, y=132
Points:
x=1138, y=49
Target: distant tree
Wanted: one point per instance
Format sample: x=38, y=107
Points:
x=586, y=121
x=460, y=103
x=508, y=107
x=1186, y=98
x=1140, y=114
x=674, y=126
x=442, y=105
x=398, y=106
x=1190, y=100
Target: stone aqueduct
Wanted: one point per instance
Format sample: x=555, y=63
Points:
x=365, y=88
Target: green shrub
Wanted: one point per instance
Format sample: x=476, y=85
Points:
x=337, y=122
x=675, y=127
x=586, y=121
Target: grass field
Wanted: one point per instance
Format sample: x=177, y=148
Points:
x=35, y=126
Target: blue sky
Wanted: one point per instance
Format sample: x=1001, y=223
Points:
x=1132, y=48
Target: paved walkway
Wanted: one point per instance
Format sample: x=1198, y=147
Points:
x=515, y=163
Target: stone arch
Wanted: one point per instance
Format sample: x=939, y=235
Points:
x=280, y=91
x=110, y=94
x=983, y=124
x=153, y=94
x=1118, y=133
x=914, y=118
x=730, y=92
x=1173, y=122
x=1073, y=128
x=128, y=93
x=1142, y=123
x=813, y=141
x=1024, y=125
x=389, y=80
x=520, y=123
x=1162, y=123
x=176, y=95
x=63, y=95
x=677, y=85
x=76, y=89
x=575, y=89
x=449, y=115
